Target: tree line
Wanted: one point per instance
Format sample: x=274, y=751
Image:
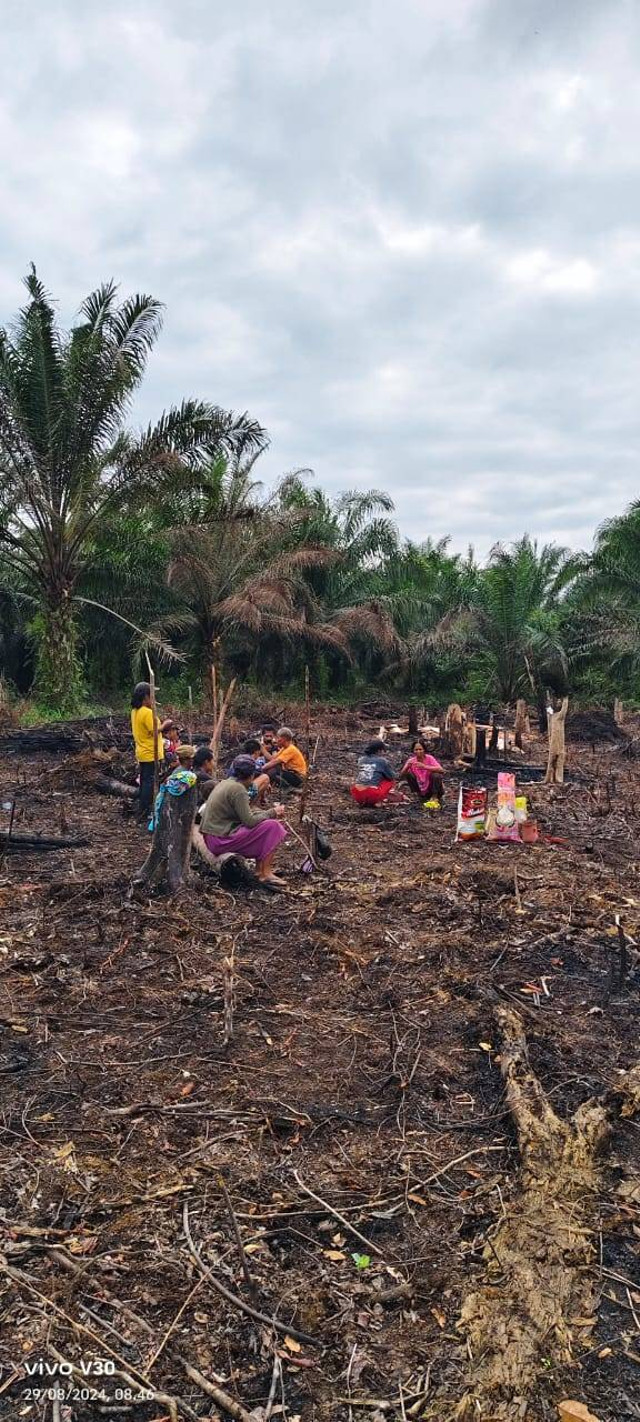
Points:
x=114, y=543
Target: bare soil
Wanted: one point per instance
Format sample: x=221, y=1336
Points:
x=363, y=1080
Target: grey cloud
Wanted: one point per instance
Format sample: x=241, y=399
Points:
x=405, y=237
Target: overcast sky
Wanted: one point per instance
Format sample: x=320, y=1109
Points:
x=404, y=235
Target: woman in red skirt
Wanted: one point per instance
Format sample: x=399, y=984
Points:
x=375, y=777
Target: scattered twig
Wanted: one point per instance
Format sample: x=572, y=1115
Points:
x=336, y=1214
x=238, y=1237
x=516, y=890
x=275, y=1379
x=223, y=1399
x=303, y=842
x=351, y=1363
x=171, y=1403
x=229, y=985
x=232, y=1298
x=478, y=1150
x=162, y=1345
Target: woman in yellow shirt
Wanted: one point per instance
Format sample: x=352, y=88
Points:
x=143, y=720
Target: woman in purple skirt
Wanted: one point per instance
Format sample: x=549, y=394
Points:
x=229, y=825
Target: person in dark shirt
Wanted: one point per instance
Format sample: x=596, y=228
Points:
x=374, y=776
x=203, y=766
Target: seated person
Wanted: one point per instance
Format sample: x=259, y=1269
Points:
x=203, y=766
x=287, y=766
x=375, y=777
x=423, y=774
x=182, y=778
x=262, y=783
x=230, y=826
x=268, y=738
x=171, y=735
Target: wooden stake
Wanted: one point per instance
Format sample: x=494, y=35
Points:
x=190, y=717
x=217, y=730
x=156, y=757
x=214, y=692
x=307, y=703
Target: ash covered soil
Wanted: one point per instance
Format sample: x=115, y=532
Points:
x=362, y=1081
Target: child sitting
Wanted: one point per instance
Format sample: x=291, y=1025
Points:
x=171, y=740
x=423, y=774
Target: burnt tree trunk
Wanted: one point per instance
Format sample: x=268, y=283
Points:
x=555, y=763
x=168, y=858
x=106, y=786
x=17, y=843
x=521, y=723
x=537, y=1296
x=231, y=869
x=455, y=729
x=413, y=720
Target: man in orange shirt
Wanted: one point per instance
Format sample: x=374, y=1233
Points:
x=288, y=766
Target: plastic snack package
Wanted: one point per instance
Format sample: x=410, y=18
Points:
x=507, y=827
x=472, y=812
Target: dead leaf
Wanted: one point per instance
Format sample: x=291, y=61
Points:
x=188, y=1088
x=66, y=1157
x=575, y=1412
x=292, y=1344
x=253, y=1248
x=486, y=1046
x=75, y=1245
x=439, y=1316
x=417, y=1199
x=333, y=1254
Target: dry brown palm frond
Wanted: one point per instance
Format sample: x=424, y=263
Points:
x=452, y=629
x=370, y=621
x=298, y=559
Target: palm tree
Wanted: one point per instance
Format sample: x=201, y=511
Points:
x=239, y=570
x=356, y=528
x=425, y=590
x=514, y=624
x=603, y=612
x=67, y=462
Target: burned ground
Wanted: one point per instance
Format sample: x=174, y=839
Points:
x=363, y=1080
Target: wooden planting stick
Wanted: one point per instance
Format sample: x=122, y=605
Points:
x=217, y=730
x=156, y=758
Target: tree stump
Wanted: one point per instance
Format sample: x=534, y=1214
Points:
x=168, y=858
x=454, y=726
x=522, y=727
x=555, y=763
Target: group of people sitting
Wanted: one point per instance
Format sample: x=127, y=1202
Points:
x=234, y=816
x=376, y=779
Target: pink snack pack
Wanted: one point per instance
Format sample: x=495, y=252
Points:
x=506, y=825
